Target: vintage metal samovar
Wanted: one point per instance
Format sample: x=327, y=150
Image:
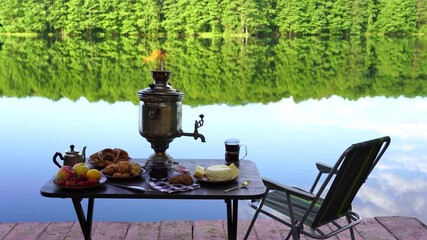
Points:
x=160, y=114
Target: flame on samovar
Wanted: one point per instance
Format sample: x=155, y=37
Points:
x=158, y=56
x=160, y=116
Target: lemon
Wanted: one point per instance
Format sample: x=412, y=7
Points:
x=93, y=174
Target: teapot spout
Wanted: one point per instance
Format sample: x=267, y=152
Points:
x=84, y=154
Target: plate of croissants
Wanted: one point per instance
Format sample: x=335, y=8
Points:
x=123, y=170
x=108, y=156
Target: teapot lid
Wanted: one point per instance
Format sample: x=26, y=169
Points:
x=72, y=151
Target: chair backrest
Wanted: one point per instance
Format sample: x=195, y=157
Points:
x=352, y=170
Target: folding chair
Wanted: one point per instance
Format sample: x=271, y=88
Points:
x=306, y=212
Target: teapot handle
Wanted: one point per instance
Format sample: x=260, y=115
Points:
x=54, y=158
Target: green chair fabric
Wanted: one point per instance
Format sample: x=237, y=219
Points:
x=298, y=209
x=277, y=200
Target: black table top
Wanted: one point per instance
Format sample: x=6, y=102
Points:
x=248, y=171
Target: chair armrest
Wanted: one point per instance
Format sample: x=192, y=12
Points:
x=323, y=168
x=273, y=185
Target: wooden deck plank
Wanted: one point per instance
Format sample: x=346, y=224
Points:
x=177, y=230
x=269, y=229
x=5, y=228
x=57, y=230
x=284, y=230
x=111, y=231
x=242, y=227
x=325, y=229
x=75, y=232
x=143, y=231
x=345, y=235
x=404, y=227
x=27, y=231
x=401, y=228
x=209, y=230
x=370, y=228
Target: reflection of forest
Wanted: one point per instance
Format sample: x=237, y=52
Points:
x=215, y=71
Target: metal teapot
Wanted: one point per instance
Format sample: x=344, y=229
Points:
x=71, y=157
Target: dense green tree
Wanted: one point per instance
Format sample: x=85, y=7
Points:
x=255, y=18
x=75, y=17
x=291, y=16
x=243, y=16
x=316, y=18
x=174, y=15
x=212, y=16
x=148, y=16
x=34, y=19
x=12, y=14
x=230, y=16
x=57, y=17
x=339, y=17
x=421, y=15
x=127, y=18
x=109, y=17
x=396, y=16
x=270, y=10
x=359, y=15
x=249, y=17
x=90, y=20
x=373, y=12
x=193, y=12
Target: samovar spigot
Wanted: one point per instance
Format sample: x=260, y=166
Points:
x=195, y=134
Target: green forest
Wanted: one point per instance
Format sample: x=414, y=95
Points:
x=215, y=71
x=214, y=17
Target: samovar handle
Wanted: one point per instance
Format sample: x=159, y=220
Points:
x=199, y=123
x=152, y=109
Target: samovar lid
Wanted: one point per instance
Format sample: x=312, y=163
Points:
x=160, y=87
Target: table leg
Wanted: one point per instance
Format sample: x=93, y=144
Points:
x=85, y=222
x=232, y=210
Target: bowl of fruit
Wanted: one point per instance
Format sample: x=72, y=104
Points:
x=80, y=176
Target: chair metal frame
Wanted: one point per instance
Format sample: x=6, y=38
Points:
x=351, y=169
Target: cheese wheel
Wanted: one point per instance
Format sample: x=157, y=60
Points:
x=216, y=173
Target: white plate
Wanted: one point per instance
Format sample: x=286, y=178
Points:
x=205, y=179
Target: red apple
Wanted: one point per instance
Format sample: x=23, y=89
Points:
x=65, y=173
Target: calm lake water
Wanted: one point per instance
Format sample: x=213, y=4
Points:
x=286, y=134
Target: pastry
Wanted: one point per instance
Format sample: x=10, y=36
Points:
x=108, y=156
x=123, y=169
x=109, y=170
x=181, y=179
x=121, y=155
